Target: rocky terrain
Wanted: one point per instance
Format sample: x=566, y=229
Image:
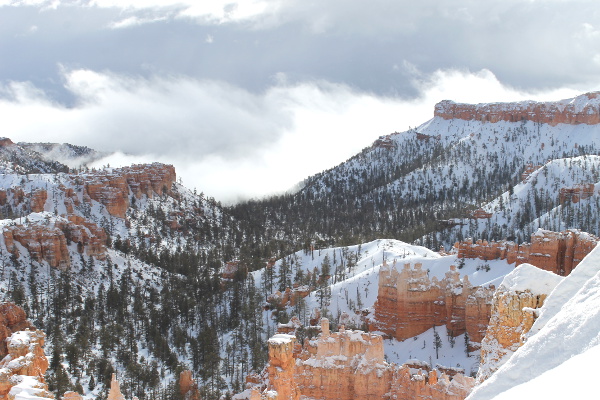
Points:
x=348, y=365
x=23, y=362
x=130, y=273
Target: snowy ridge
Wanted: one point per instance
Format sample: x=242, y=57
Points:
x=574, y=110
x=577, y=104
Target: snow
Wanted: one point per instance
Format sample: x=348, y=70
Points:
x=27, y=389
x=528, y=277
x=568, y=327
x=572, y=379
x=281, y=338
x=420, y=350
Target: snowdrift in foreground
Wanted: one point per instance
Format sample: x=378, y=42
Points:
x=565, y=333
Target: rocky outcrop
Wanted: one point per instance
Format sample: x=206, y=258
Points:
x=557, y=252
x=288, y=298
x=23, y=363
x=188, y=387
x=409, y=303
x=47, y=240
x=583, y=109
x=115, y=390
x=577, y=193
x=72, y=396
x=90, y=238
x=43, y=242
x=38, y=200
x=529, y=169
x=348, y=365
x=111, y=187
x=12, y=319
x=514, y=310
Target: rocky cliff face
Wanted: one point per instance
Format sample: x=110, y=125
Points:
x=584, y=109
x=514, y=310
x=112, y=188
x=557, y=252
x=348, y=365
x=46, y=240
x=23, y=363
x=409, y=303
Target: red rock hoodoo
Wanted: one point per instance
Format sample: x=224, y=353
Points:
x=188, y=387
x=349, y=365
x=409, y=303
x=584, y=109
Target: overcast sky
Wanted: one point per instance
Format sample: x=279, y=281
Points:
x=250, y=97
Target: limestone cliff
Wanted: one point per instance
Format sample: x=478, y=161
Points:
x=409, y=303
x=583, y=109
x=557, y=252
x=111, y=187
x=348, y=365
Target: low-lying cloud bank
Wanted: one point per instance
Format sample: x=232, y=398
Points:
x=226, y=141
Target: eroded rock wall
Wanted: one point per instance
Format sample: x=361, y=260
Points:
x=584, y=109
x=111, y=188
x=557, y=252
x=409, y=303
x=47, y=240
x=514, y=310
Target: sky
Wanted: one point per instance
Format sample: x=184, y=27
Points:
x=249, y=97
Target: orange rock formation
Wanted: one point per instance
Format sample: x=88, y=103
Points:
x=582, y=109
x=115, y=390
x=48, y=241
x=409, y=303
x=22, y=355
x=514, y=310
x=187, y=386
x=513, y=315
x=349, y=365
x=557, y=252
x=577, y=193
x=111, y=187
x=43, y=242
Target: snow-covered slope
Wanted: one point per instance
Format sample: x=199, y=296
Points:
x=566, y=333
x=407, y=185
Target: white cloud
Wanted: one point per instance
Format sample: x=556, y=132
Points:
x=226, y=141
